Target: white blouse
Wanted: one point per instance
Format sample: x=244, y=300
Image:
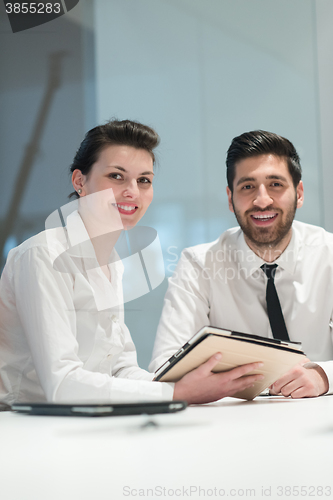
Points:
x=62, y=331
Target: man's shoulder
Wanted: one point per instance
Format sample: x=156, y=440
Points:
x=312, y=236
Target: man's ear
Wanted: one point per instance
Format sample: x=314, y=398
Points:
x=229, y=194
x=300, y=194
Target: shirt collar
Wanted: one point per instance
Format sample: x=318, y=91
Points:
x=247, y=259
x=288, y=258
x=76, y=229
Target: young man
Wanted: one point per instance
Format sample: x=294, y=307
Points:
x=224, y=283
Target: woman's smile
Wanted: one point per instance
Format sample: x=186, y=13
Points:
x=126, y=208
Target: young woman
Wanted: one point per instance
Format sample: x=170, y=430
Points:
x=62, y=330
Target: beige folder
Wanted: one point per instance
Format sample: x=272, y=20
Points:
x=278, y=357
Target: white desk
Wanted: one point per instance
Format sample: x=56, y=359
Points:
x=231, y=445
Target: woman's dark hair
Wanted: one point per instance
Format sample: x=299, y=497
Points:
x=260, y=142
x=114, y=132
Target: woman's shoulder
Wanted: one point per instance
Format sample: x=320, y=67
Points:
x=48, y=243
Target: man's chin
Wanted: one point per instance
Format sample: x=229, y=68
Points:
x=264, y=240
x=263, y=236
x=264, y=244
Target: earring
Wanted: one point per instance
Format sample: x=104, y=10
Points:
x=79, y=191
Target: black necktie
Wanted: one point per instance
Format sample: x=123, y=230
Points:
x=274, y=310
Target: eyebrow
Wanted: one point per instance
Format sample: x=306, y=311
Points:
x=253, y=179
x=148, y=172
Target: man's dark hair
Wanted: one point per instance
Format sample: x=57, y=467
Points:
x=260, y=142
x=113, y=133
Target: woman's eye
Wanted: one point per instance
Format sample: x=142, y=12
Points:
x=116, y=176
x=144, y=180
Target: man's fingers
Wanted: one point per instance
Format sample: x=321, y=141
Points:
x=288, y=389
x=288, y=377
x=272, y=392
x=301, y=392
x=245, y=382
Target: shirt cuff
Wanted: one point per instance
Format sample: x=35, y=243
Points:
x=327, y=366
x=129, y=390
x=167, y=390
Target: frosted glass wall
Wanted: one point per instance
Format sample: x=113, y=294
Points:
x=202, y=72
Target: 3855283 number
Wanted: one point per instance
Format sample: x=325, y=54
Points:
x=304, y=491
x=33, y=8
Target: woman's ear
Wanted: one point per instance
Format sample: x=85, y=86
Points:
x=78, y=180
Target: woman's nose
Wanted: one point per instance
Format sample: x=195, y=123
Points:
x=131, y=189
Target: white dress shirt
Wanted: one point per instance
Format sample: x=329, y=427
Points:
x=221, y=284
x=62, y=331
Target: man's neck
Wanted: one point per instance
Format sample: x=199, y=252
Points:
x=269, y=252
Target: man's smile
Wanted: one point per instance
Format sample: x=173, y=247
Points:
x=264, y=218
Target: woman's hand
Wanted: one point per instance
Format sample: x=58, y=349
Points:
x=203, y=386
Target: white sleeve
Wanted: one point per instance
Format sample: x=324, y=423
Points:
x=327, y=366
x=186, y=308
x=44, y=303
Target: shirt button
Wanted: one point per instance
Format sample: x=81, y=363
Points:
x=114, y=318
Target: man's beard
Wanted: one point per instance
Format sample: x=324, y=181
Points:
x=264, y=237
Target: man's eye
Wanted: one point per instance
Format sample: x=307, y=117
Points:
x=276, y=184
x=247, y=186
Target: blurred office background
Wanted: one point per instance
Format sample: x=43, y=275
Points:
x=200, y=72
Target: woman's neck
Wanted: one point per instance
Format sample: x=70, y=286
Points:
x=103, y=236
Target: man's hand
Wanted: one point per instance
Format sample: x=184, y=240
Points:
x=303, y=381
x=203, y=386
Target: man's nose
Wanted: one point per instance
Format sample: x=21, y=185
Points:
x=262, y=199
